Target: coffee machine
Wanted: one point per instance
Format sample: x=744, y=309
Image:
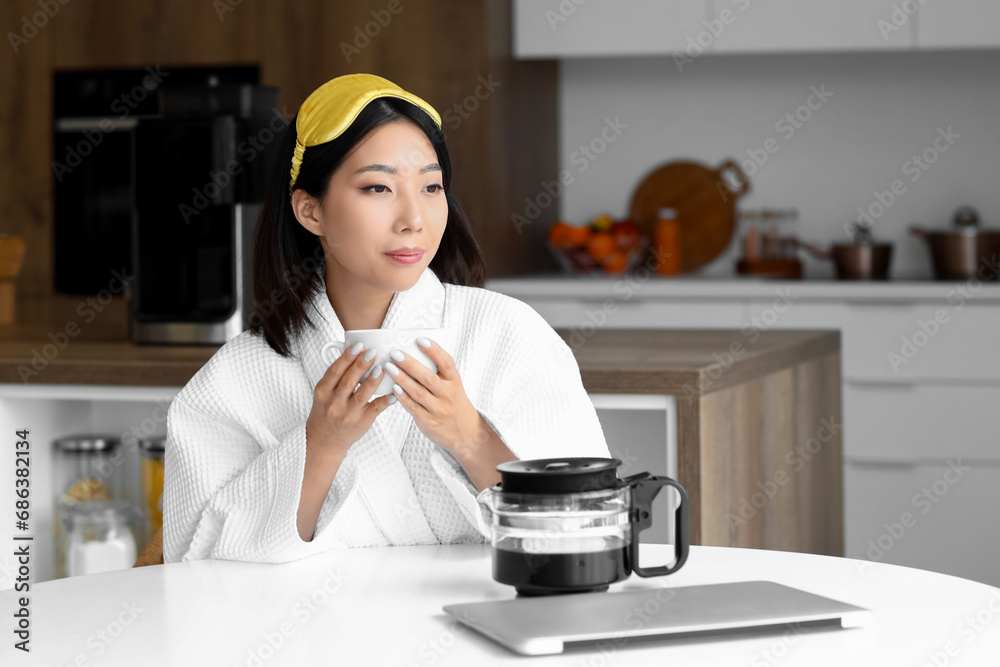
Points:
x=201, y=170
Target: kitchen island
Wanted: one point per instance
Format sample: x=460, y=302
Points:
x=754, y=417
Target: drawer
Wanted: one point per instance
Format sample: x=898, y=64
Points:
x=908, y=422
x=903, y=341
x=925, y=517
x=639, y=314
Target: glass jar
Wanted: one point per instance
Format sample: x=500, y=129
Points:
x=152, y=478
x=99, y=536
x=84, y=470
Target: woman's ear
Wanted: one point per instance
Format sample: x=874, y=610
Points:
x=307, y=211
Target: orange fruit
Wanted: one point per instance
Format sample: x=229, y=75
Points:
x=616, y=262
x=601, y=245
x=560, y=234
x=578, y=236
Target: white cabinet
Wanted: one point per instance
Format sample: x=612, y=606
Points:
x=904, y=340
x=567, y=28
x=604, y=28
x=922, y=422
x=771, y=26
x=958, y=24
x=939, y=516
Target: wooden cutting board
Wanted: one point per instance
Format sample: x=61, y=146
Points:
x=705, y=202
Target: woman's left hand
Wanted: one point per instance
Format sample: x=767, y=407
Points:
x=437, y=401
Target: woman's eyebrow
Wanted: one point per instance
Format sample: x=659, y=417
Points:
x=434, y=166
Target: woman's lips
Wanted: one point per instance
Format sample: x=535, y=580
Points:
x=407, y=259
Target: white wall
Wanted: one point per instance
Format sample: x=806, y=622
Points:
x=884, y=108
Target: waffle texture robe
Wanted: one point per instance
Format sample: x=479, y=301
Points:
x=236, y=433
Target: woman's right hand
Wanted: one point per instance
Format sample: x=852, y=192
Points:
x=340, y=415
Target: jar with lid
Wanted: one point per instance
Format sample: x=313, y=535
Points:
x=152, y=478
x=99, y=536
x=84, y=471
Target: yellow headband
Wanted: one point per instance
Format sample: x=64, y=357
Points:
x=332, y=107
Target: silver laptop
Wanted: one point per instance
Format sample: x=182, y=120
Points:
x=545, y=625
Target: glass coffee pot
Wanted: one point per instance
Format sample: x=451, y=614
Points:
x=571, y=525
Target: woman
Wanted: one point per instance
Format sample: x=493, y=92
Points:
x=274, y=452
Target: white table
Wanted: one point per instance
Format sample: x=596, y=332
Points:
x=382, y=606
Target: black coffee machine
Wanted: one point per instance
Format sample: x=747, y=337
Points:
x=201, y=170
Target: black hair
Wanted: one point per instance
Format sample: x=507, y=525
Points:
x=287, y=257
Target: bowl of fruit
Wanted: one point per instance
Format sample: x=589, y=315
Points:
x=603, y=247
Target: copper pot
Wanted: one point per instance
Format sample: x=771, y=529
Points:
x=856, y=261
x=964, y=252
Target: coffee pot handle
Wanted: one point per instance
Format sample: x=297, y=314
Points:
x=645, y=487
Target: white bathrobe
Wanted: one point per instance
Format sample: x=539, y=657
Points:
x=236, y=433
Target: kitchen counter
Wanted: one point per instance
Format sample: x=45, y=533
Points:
x=43, y=349
x=560, y=285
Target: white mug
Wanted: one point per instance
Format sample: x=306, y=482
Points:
x=384, y=341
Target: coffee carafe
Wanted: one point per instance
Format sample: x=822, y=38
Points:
x=567, y=525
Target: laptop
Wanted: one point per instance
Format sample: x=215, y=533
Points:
x=546, y=625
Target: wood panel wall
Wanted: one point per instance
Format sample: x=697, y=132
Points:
x=438, y=49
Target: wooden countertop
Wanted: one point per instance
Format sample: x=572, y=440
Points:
x=77, y=340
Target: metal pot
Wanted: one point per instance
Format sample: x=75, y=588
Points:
x=964, y=252
x=856, y=261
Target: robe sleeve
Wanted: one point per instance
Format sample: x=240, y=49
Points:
x=545, y=410
x=227, y=497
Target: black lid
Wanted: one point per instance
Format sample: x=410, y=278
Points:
x=561, y=475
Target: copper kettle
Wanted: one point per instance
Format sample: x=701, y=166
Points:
x=966, y=250
x=863, y=259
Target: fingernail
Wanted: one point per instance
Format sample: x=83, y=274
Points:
x=392, y=399
x=370, y=354
x=396, y=388
x=377, y=373
x=357, y=348
x=423, y=342
x=397, y=355
x=393, y=370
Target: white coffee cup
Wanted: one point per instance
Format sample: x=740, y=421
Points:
x=384, y=341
